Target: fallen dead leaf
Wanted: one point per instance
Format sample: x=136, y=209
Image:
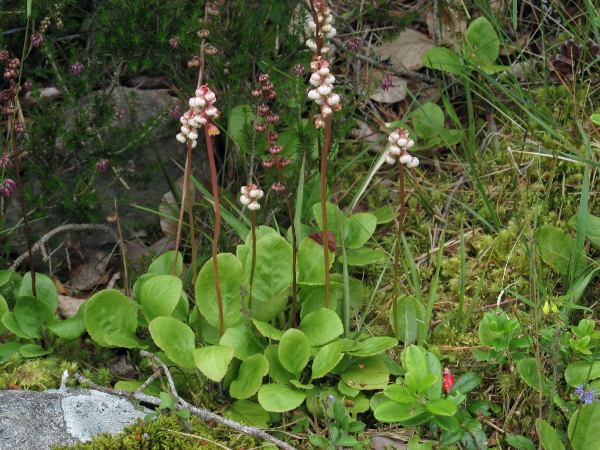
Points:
x=407, y=50
x=89, y=267
x=453, y=25
x=68, y=306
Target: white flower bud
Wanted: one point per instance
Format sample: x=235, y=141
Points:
x=326, y=110
x=186, y=129
x=244, y=190
x=181, y=138
x=333, y=99
x=210, y=97
x=253, y=206
x=319, y=101
x=245, y=200
x=406, y=158
x=329, y=18
x=413, y=163
x=253, y=193
x=200, y=102
x=312, y=25
x=315, y=82
x=409, y=144
x=395, y=150
x=324, y=49
x=193, y=135
x=324, y=90
x=194, y=143
x=402, y=142
x=201, y=120
x=329, y=79
x=390, y=160
x=212, y=111
x=315, y=77
x=323, y=71
x=312, y=45
x=313, y=94
x=331, y=34
x=393, y=137
x=192, y=102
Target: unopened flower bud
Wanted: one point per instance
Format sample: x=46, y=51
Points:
x=211, y=50
x=273, y=135
x=102, y=165
x=270, y=95
x=263, y=77
x=390, y=159
x=174, y=42
x=203, y=33
x=405, y=159
x=278, y=187
x=256, y=93
x=284, y=162
x=414, y=163
x=20, y=127
x=260, y=127
x=275, y=149
x=268, y=163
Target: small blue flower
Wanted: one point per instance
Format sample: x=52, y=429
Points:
x=146, y=435
x=331, y=398
x=586, y=395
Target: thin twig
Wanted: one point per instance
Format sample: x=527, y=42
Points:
x=123, y=254
x=68, y=227
x=201, y=438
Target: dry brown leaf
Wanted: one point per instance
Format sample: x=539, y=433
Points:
x=453, y=24
x=509, y=49
x=407, y=50
x=89, y=267
x=394, y=94
x=68, y=306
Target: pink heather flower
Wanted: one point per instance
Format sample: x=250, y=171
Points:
x=175, y=112
x=299, y=70
x=5, y=162
x=386, y=83
x=7, y=187
x=77, y=69
x=354, y=43
x=102, y=165
x=120, y=114
x=174, y=42
x=27, y=86
x=36, y=39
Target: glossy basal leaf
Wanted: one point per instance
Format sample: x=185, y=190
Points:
x=273, y=271
x=277, y=372
x=244, y=342
x=160, y=295
x=581, y=372
x=268, y=330
x=326, y=359
x=231, y=277
x=548, y=435
x=44, y=286
x=400, y=394
x=520, y=443
x=527, y=368
x=428, y=121
x=311, y=262
x=213, y=360
x=33, y=351
x=556, y=249
x=32, y=315
x=584, y=427
x=448, y=423
x=163, y=265
x=336, y=220
x=366, y=374
x=9, y=321
x=276, y=397
x=442, y=58
x=273, y=307
x=139, y=283
x=482, y=44
x=358, y=229
x=175, y=338
x=3, y=310
x=435, y=368
x=374, y=346
x=592, y=230
x=410, y=314
x=118, y=340
x=110, y=313
x=441, y=407
x=362, y=256
x=249, y=377
x=247, y=412
x=294, y=351
x=321, y=326
x=71, y=328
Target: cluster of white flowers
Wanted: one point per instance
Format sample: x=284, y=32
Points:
x=400, y=143
x=323, y=93
x=200, y=113
x=326, y=31
x=250, y=196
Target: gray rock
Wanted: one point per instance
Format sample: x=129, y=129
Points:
x=32, y=420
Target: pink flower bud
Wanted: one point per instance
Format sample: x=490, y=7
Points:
x=448, y=380
x=77, y=69
x=102, y=165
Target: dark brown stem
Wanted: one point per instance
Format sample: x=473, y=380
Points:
x=324, y=151
x=122, y=244
x=23, y=209
x=401, y=215
x=215, y=192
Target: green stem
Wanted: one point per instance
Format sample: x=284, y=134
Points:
x=401, y=215
x=188, y=182
x=215, y=192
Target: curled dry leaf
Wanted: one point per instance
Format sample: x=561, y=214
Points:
x=68, y=306
x=407, y=50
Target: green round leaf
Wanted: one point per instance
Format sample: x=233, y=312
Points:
x=44, y=288
x=160, y=295
x=584, y=427
x=321, y=326
x=33, y=351
x=273, y=271
x=442, y=58
x=9, y=321
x=110, y=313
x=248, y=412
x=466, y=383
x=277, y=372
x=231, y=277
x=3, y=310
x=482, y=43
x=213, y=360
x=279, y=398
x=367, y=373
x=406, y=414
x=548, y=435
x=326, y=359
x=31, y=314
x=311, y=262
x=249, y=377
x=294, y=351
x=267, y=330
x=163, y=265
x=358, y=229
x=175, y=338
x=244, y=342
x=448, y=423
